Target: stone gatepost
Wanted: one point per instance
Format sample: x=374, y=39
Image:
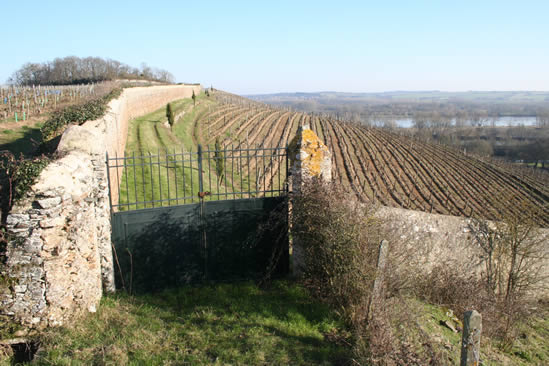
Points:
x=309, y=158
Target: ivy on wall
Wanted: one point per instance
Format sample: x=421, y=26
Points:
x=77, y=114
x=17, y=175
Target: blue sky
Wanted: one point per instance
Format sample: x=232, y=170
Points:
x=251, y=47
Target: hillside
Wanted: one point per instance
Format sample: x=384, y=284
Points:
x=373, y=163
x=500, y=97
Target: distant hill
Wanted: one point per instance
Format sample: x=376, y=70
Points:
x=381, y=165
x=417, y=96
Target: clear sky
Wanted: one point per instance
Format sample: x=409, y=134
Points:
x=249, y=47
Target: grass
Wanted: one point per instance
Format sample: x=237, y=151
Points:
x=22, y=140
x=237, y=324
x=532, y=346
x=420, y=325
x=161, y=177
x=242, y=324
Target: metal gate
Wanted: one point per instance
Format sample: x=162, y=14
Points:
x=185, y=217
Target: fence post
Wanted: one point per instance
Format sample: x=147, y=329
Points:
x=199, y=158
x=470, y=341
x=380, y=274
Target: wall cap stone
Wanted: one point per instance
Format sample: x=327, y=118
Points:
x=79, y=138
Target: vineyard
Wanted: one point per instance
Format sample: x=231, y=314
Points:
x=371, y=163
x=19, y=103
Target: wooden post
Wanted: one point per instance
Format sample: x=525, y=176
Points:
x=378, y=282
x=470, y=341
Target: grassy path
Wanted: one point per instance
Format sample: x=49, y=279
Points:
x=237, y=324
x=153, y=172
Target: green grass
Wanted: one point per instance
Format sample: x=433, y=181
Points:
x=237, y=324
x=162, y=178
x=420, y=323
x=23, y=140
x=532, y=345
x=242, y=324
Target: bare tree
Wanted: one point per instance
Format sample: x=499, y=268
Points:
x=514, y=252
x=514, y=249
x=74, y=70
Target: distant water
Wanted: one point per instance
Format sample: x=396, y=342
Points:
x=499, y=122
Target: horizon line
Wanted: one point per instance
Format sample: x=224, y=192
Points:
x=403, y=91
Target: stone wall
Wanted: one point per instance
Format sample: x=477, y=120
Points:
x=427, y=240
x=430, y=239
x=61, y=260
x=422, y=240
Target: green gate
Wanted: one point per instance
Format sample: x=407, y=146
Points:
x=234, y=227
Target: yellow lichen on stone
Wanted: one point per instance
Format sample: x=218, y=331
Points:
x=309, y=155
x=312, y=145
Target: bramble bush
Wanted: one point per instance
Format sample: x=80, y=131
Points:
x=340, y=240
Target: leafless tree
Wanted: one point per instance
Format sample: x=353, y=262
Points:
x=74, y=70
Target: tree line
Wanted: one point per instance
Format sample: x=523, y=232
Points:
x=428, y=113
x=75, y=70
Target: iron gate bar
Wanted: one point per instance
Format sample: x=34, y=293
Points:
x=160, y=189
x=175, y=172
x=143, y=179
x=135, y=180
x=159, y=181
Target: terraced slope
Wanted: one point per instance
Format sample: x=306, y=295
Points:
x=377, y=164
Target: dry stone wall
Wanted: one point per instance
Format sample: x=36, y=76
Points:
x=61, y=261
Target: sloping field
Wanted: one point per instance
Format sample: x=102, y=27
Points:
x=373, y=163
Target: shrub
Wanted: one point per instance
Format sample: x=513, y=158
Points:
x=219, y=160
x=170, y=114
x=512, y=253
x=77, y=114
x=513, y=256
x=339, y=239
x=16, y=177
